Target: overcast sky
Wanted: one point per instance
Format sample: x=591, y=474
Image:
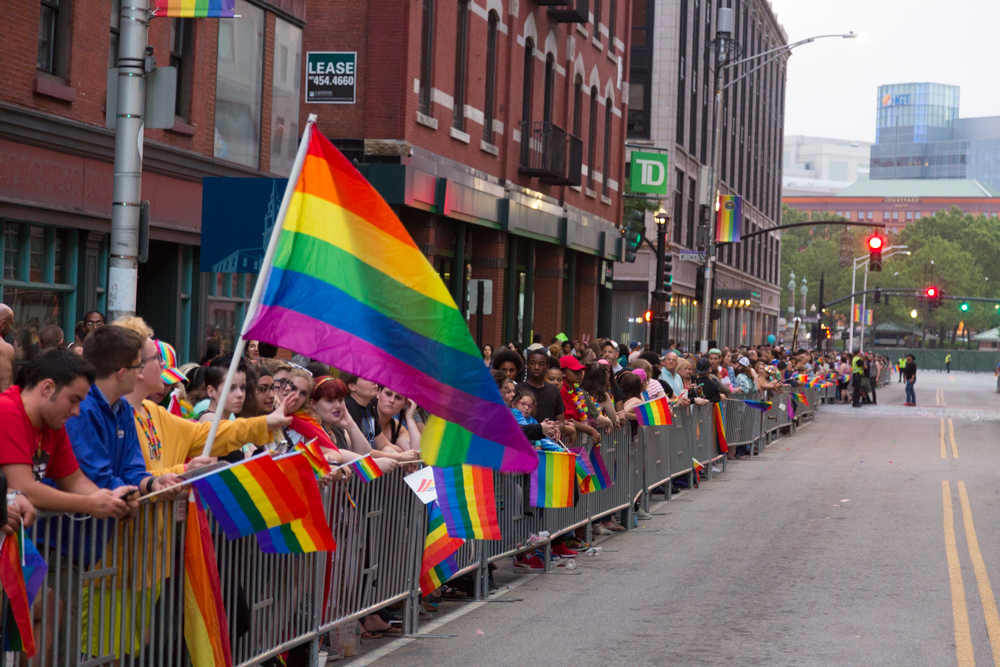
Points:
x=833, y=83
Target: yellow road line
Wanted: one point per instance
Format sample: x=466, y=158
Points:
x=963, y=636
x=951, y=436
x=944, y=449
x=982, y=578
x=952, y=378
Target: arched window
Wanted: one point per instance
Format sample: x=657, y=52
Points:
x=550, y=84
x=461, y=58
x=426, y=57
x=609, y=106
x=592, y=140
x=578, y=107
x=489, y=113
x=529, y=73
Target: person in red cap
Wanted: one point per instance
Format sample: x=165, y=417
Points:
x=573, y=397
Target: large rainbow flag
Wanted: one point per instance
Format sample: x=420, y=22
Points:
x=197, y=9
x=349, y=287
x=206, y=629
x=654, y=413
x=729, y=222
x=251, y=496
x=552, y=480
x=438, y=564
x=720, y=428
x=310, y=533
x=468, y=501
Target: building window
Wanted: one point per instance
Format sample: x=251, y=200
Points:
x=895, y=215
x=227, y=295
x=592, y=141
x=238, y=86
x=609, y=106
x=578, y=107
x=529, y=74
x=597, y=20
x=491, y=76
x=426, y=58
x=116, y=17
x=612, y=24
x=840, y=214
x=871, y=215
x=640, y=68
x=53, y=37
x=461, y=57
x=681, y=67
x=909, y=216
x=182, y=57
x=550, y=85
x=917, y=215
x=692, y=197
x=678, y=203
x=285, y=96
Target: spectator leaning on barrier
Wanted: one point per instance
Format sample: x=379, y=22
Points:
x=34, y=444
x=103, y=434
x=548, y=402
x=574, y=402
x=669, y=375
x=397, y=416
x=362, y=404
x=609, y=350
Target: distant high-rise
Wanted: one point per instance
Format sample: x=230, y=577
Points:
x=919, y=135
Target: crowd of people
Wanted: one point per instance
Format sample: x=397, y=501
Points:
x=95, y=426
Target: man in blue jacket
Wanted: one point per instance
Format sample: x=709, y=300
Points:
x=103, y=435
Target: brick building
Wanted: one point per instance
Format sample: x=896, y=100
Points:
x=236, y=114
x=495, y=129
x=671, y=79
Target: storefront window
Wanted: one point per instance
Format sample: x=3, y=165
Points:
x=33, y=309
x=11, y=252
x=285, y=96
x=228, y=295
x=238, y=86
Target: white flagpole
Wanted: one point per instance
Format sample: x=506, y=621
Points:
x=265, y=269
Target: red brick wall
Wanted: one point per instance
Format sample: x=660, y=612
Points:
x=585, y=305
x=489, y=255
x=548, y=291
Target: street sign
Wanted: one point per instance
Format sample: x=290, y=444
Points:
x=649, y=173
x=691, y=256
x=474, y=297
x=330, y=76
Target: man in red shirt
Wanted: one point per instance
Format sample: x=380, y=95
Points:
x=571, y=393
x=34, y=444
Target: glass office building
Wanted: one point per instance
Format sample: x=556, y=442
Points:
x=915, y=112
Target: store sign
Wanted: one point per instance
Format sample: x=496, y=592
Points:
x=331, y=76
x=895, y=100
x=649, y=173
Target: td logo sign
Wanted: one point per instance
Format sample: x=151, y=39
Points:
x=649, y=173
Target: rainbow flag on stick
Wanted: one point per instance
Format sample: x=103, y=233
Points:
x=206, y=629
x=313, y=453
x=600, y=479
x=729, y=219
x=720, y=429
x=305, y=535
x=800, y=398
x=439, y=561
x=654, y=413
x=20, y=584
x=251, y=496
x=552, y=480
x=198, y=9
x=468, y=502
x=347, y=285
x=366, y=468
x=584, y=470
x=763, y=406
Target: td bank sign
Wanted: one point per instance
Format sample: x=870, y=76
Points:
x=648, y=173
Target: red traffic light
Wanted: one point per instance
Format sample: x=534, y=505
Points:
x=932, y=292
x=875, y=243
x=649, y=316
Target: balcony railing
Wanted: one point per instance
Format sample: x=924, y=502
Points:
x=550, y=154
x=569, y=11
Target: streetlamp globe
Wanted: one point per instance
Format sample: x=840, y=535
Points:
x=913, y=313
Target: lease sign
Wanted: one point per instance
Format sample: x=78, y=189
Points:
x=331, y=76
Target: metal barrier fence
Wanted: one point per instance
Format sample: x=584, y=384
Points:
x=114, y=591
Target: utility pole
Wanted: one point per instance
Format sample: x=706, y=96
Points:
x=127, y=187
x=660, y=297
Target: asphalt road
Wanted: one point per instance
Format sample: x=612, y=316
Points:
x=871, y=537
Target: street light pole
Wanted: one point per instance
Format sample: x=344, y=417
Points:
x=660, y=324
x=127, y=183
x=725, y=46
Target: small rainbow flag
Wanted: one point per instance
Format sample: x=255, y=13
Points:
x=800, y=398
x=654, y=413
x=468, y=501
x=349, y=286
x=305, y=535
x=720, y=429
x=729, y=222
x=438, y=549
x=763, y=406
x=206, y=629
x=698, y=466
x=251, y=496
x=19, y=635
x=584, y=470
x=863, y=314
x=196, y=9
x=600, y=479
x=366, y=468
x=552, y=480
x=314, y=455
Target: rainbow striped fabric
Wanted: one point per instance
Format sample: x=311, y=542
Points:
x=313, y=453
x=800, y=398
x=366, y=469
x=863, y=314
x=349, y=287
x=19, y=632
x=250, y=497
x=720, y=429
x=654, y=413
x=197, y=9
x=763, y=406
x=305, y=535
x=439, y=550
x=552, y=480
x=729, y=221
x=584, y=470
x=206, y=629
x=468, y=501
x=600, y=479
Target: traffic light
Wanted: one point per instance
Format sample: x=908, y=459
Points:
x=875, y=253
x=668, y=275
x=648, y=315
x=632, y=232
x=964, y=307
x=878, y=295
x=699, y=284
x=933, y=296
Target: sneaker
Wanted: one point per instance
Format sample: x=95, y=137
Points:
x=643, y=515
x=601, y=529
x=529, y=561
x=540, y=554
x=576, y=544
x=563, y=551
x=616, y=527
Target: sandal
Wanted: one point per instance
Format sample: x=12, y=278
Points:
x=371, y=635
x=393, y=631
